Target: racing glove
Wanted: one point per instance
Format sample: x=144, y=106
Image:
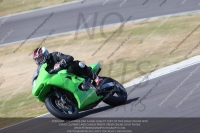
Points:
x=57, y=67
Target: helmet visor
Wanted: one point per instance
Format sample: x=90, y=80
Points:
x=40, y=60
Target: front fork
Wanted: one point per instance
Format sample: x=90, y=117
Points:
x=57, y=93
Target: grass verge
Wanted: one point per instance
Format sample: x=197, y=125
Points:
x=15, y=6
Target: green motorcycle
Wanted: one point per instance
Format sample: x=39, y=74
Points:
x=66, y=94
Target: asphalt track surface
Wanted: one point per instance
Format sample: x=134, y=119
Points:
x=65, y=18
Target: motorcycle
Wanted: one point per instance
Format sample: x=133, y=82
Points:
x=66, y=94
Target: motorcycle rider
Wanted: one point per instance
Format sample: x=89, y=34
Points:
x=57, y=61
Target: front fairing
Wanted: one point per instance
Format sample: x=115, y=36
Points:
x=39, y=79
x=64, y=80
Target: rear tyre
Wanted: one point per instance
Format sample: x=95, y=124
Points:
x=117, y=95
x=64, y=112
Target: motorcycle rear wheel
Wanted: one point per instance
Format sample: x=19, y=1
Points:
x=115, y=98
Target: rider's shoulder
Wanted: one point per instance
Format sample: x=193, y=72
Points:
x=56, y=53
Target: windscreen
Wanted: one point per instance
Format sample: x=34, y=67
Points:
x=35, y=74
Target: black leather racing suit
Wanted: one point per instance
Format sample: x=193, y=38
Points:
x=68, y=62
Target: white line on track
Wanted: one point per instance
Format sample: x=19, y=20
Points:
x=166, y=70
x=183, y=1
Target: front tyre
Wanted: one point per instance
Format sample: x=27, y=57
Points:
x=64, y=112
x=117, y=95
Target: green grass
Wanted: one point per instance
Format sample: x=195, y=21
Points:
x=21, y=105
x=19, y=108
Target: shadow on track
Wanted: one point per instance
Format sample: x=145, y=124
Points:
x=101, y=109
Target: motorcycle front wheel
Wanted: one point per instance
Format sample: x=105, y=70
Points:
x=64, y=112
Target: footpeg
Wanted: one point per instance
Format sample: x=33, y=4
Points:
x=85, y=87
